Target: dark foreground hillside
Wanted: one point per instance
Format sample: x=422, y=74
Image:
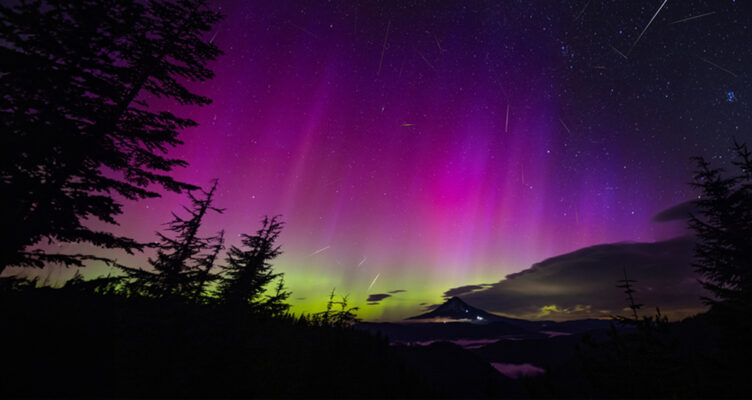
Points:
x=62, y=343
x=71, y=342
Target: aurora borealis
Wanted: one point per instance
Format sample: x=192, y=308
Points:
x=421, y=146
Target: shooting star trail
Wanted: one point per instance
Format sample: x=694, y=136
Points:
x=373, y=281
x=719, y=67
x=362, y=261
x=383, y=47
x=647, y=26
x=506, y=124
x=402, y=67
x=426, y=60
x=319, y=250
x=691, y=18
x=304, y=30
x=565, y=126
x=620, y=53
x=213, y=37
x=437, y=42
x=582, y=11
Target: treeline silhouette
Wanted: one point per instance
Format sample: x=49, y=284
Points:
x=181, y=329
x=71, y=342
x=80, y=84
x=707, y=355
x=81, y=132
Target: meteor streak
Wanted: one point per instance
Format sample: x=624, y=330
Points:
x=320, y=250
x=373, y=281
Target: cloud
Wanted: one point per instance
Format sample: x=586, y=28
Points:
x=679, y=212
x=462, y=290
x=553, y=309
x=375, y=298
x=582, y=284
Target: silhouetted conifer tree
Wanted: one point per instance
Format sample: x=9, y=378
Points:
x=275, y=304
x=183, y=262
x=205, y=266
x=723, y=254
x=248, y=271
x=78, y=132
x=723, y=257
x=337, y=313
x=639, y=361
x=626, y=284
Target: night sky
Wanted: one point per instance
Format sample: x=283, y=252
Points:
x=422, y=146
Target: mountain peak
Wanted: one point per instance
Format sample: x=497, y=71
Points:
x=456, y=309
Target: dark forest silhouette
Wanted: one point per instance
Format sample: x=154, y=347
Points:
x=78, y=82
x=78, y=132
x=657, y=359
x=180, y=330
x=723, y=257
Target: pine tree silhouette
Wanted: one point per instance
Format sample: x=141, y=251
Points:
x=248, y=271
x=723, y=226
x=723, y=257
x=341, y=317
x=204, y=277
x=637, y=362
x=183, y=262
x=275, y=304
x=626, y=284
x=78, y=131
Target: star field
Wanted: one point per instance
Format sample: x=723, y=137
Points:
x=420, y=146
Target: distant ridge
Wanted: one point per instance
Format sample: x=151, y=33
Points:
x=456, y=309
x=471, y=323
